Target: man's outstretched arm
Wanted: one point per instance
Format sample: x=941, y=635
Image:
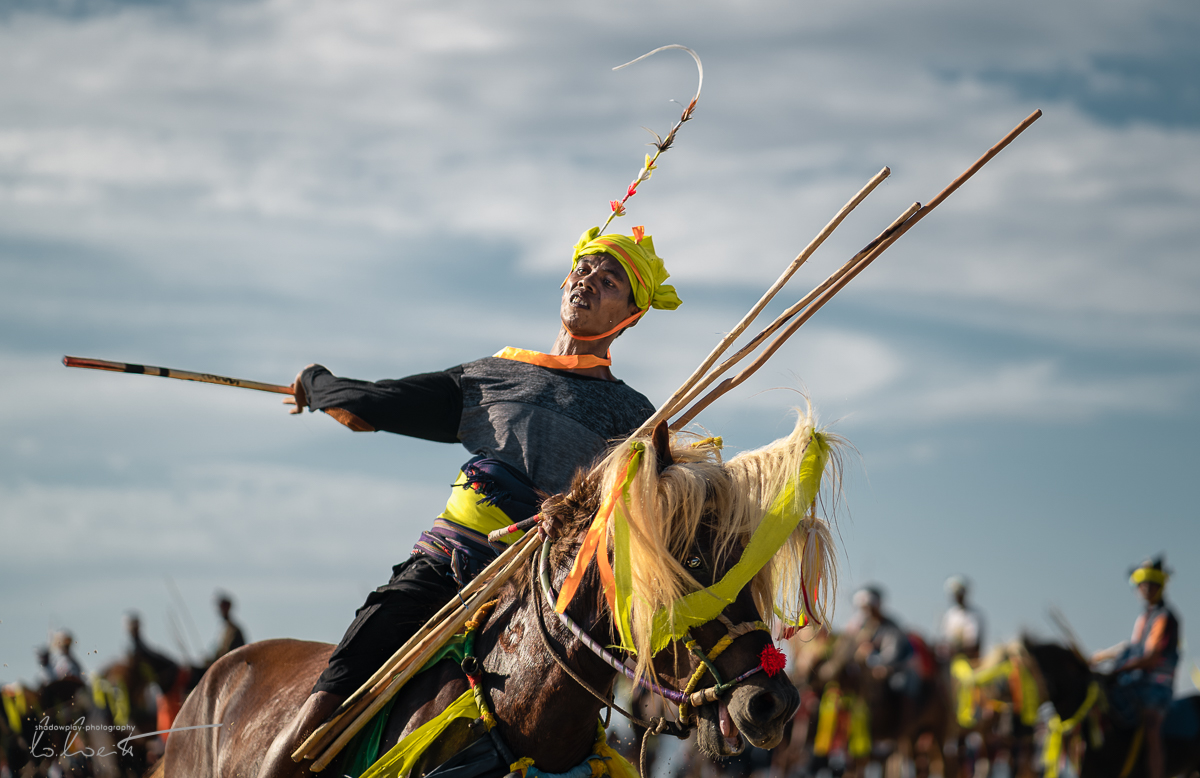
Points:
x=427, y=405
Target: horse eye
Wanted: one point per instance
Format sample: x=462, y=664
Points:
x=694, y=562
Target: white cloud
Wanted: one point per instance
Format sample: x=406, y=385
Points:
x=407, y=119
x=868, y=380
x=224, y=517
x=1041, y=391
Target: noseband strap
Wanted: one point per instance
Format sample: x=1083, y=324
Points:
x=708, y=664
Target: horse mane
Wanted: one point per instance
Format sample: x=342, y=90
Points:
x=666, y=511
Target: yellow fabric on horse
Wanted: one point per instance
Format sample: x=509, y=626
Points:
x=14, y=705
x=1023, y=687
x=789, y=508
x=606, y=761
x=399, y=761
x=860, y=728
x=1058, y=728
x=111, y=697
x=827, y=717
x=968, y=679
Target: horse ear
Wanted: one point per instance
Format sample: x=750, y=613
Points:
x=662, y=446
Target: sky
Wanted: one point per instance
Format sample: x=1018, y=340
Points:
x=245, y=187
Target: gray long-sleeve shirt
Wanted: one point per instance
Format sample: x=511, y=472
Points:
x=545, y=422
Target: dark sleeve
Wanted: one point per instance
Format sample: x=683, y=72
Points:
x=428, y=405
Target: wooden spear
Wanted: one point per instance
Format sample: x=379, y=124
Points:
x=674, y=402
x=350, y=706
x=784, y=317
x=166, y=372
x=849, y=275
x=360, y=707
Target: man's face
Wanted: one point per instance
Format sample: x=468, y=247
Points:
x=1150, y=592
x=596, y=297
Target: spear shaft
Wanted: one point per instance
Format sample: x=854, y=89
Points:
x=893, y=234
x=166, y=372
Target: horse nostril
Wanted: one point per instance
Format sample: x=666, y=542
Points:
x=765, y=707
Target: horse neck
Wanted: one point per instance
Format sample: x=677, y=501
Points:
x=1067, y=677
x=543, y=713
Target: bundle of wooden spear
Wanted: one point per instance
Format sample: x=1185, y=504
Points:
x=680, y=409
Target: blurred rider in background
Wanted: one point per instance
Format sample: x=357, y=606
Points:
x=1145, y=666
x=961, y=631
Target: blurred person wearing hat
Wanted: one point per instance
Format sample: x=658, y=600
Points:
x=529, y=419
x=1145, y=666
x=961, y=630
x=65, y=663
x=874, y=640
x=883, y=646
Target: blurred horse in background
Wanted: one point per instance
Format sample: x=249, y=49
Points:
x=1114, y=744
x=849, y=716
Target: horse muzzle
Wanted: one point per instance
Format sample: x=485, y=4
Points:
x=754, y=712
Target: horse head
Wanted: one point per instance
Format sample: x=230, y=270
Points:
x=698, y=558
x=1064, y=673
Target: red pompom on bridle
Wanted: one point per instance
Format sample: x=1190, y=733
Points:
x=773, y=660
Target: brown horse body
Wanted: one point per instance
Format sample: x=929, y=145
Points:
x=542, y=713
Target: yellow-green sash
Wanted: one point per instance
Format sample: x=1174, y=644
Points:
x=789, y=508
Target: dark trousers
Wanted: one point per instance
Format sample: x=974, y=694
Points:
x=392, y=614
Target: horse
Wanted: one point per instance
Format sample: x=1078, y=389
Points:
x=1076, y=691
x=53, y=729
x=995, y=700
x=125, y=693
x=862, y=712
x=684, y=519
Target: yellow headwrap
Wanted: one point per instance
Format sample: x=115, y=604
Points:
x=636, y=254
x=1148, y=574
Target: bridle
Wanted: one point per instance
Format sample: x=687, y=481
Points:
x=687, y=699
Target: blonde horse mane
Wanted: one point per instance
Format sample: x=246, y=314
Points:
x=666, y=511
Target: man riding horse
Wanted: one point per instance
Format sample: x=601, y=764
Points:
x=1146, y=665
x=529, y=419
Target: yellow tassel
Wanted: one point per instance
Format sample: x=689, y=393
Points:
x=860, y=729
x=826, y=720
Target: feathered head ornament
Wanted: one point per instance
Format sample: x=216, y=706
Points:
x=635, y=252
